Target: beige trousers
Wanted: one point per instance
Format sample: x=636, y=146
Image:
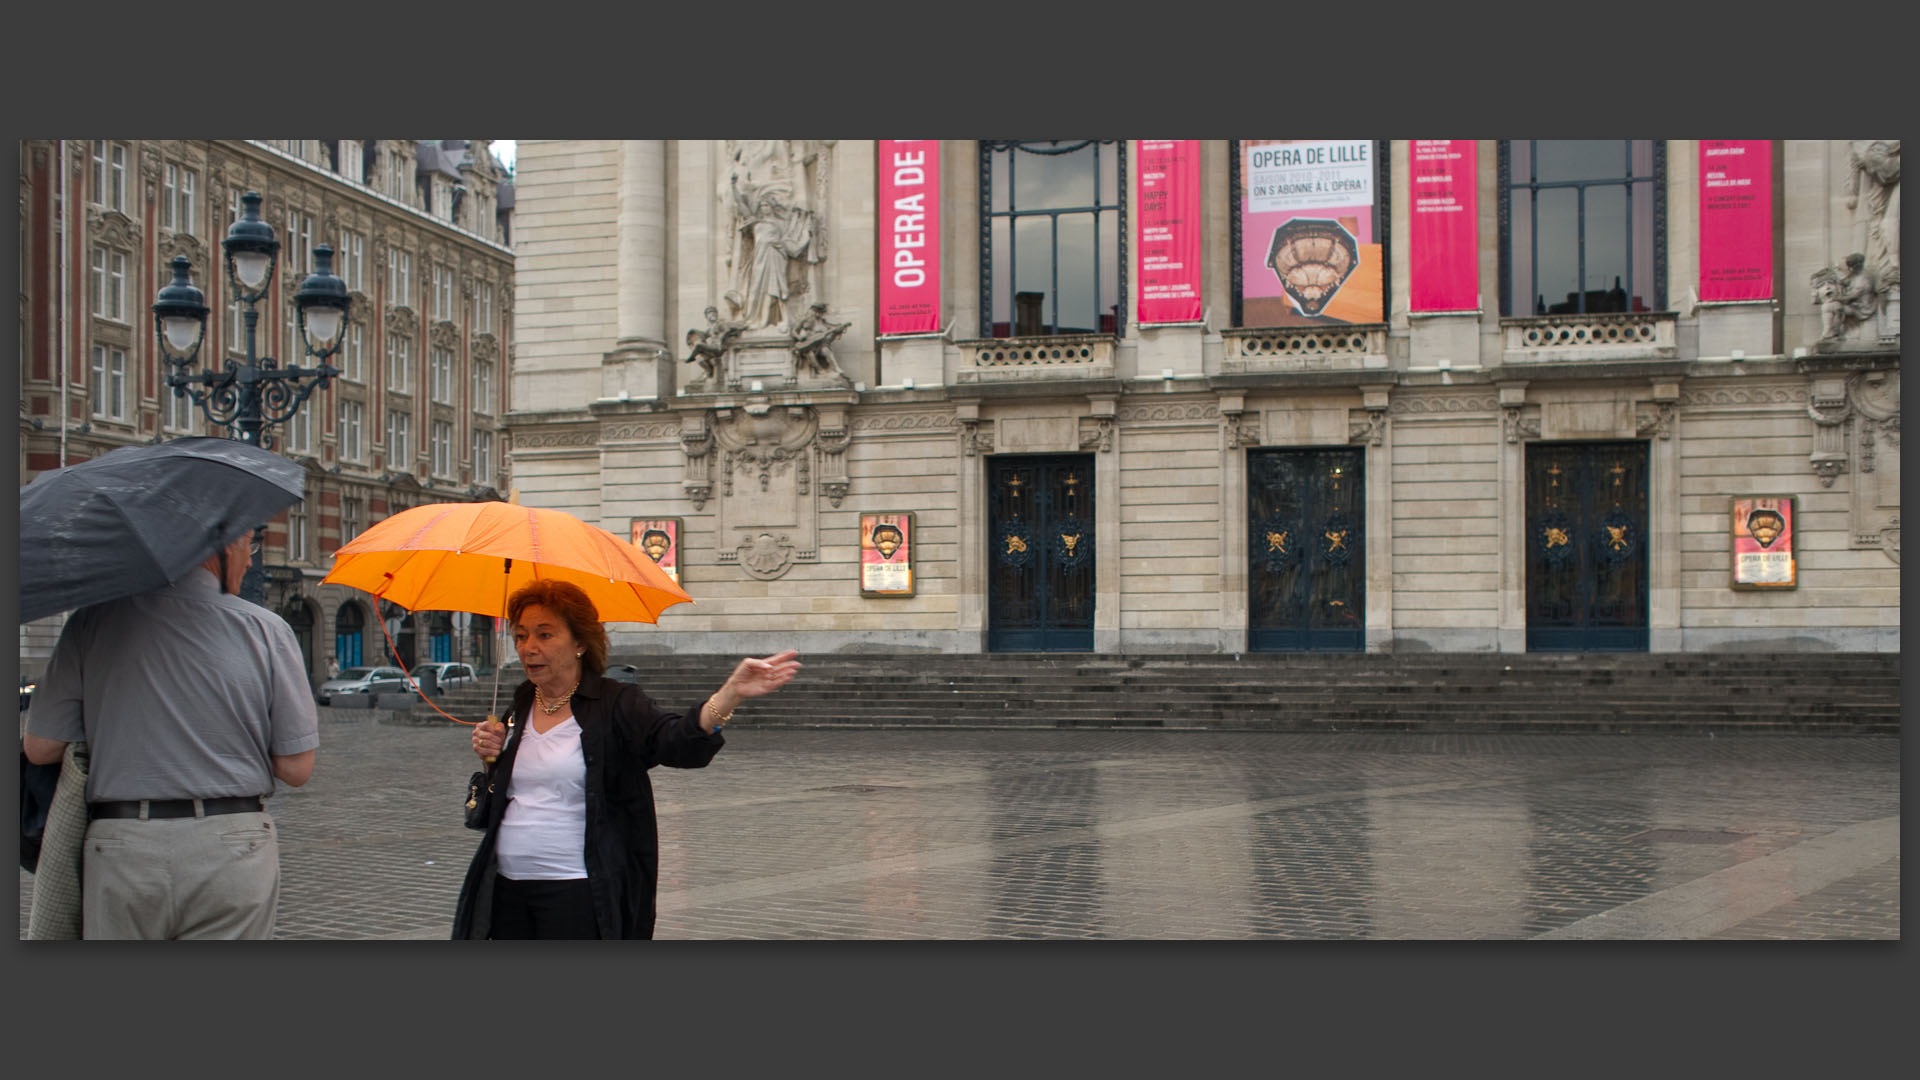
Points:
x=212, y=877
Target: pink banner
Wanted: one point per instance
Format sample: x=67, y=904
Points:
x=1736, y=219
x=1444, y=247
x=909, y=235
x=1168, y=264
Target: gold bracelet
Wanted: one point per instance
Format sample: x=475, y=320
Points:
x=718, y=720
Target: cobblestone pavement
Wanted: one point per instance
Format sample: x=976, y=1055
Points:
x=964, y=834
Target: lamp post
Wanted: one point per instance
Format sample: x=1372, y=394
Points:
x=247, y=396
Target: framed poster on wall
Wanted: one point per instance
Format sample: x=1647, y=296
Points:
x=1763, y=542
x=660, y=539
x=886, y=554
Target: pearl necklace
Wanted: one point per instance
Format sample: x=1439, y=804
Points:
x=540, y=699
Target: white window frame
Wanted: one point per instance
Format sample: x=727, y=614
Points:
x=176, y=205
x=353, y=353
x=107, y=385
x=352, y=160
x=483, y=308
x=349, y=518
x=352, y=432
x=299, y=429
x=442, y=438
x=297, y=251
x=440, y=374
x=177, y=413
x=352, y=261
x=399, y=278
x=482, y=456
x=297, y=533
x=236, y=325
x=108, y=280
x=399, y=439
x=399, y=363
x=110, y=174
x=481, y=376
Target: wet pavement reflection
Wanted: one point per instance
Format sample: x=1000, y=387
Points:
x=998, y=834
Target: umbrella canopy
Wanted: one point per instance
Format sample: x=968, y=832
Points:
x=470, y=556
x=137, y=518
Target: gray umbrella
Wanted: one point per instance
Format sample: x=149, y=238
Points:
x=140, y=517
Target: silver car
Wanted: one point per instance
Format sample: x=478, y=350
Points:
x=449, y=674
x=363, y=680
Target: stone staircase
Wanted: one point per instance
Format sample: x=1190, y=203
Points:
x=1797, y=693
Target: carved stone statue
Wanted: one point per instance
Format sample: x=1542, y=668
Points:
x=813, y=337
x=1873, y=194
x=773, y=227
x=1846, y=298
x=709, y=347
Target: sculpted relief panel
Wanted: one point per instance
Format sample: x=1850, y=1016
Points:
x=771, y=321
x=1859, y=298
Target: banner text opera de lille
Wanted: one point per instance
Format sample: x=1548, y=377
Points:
x=908, y=231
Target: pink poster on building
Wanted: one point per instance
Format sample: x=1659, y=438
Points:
x=1168, y=263
x=909, y=236
x=1310, y=250
x=1736, y=219
x=1444, y=247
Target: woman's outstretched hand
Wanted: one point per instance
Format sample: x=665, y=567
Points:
x=752, y=678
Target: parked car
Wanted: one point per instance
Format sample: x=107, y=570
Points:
x=363, y=680
x=450, y=674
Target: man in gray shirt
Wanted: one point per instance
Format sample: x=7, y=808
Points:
x=192, y=702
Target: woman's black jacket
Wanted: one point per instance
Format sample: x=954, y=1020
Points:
x=622, y=735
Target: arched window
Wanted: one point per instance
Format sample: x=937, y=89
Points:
x=480, y=642
x=299, y=616
x=349, y=630
x=440, y=636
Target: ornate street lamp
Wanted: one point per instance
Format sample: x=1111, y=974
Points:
x=248, y=395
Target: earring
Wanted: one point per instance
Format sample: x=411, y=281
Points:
x=578, y=655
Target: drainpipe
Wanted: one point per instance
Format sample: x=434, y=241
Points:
x=66, y=321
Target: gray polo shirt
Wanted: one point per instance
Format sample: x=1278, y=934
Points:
x=180, y=693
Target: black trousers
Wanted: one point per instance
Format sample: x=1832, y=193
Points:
x=543, y=910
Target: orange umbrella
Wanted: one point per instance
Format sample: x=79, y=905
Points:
x=470, y=556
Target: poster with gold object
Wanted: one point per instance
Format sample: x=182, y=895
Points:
x=1763, y=543
x=886, y=554
x=659, y=538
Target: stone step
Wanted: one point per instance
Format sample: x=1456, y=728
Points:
x=1829, y=693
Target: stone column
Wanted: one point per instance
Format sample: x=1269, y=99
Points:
x=640, y=363
x=1664, y=529
x=1372, y=432
x=1238, y=430
x=1513, y=521
x=643, y=242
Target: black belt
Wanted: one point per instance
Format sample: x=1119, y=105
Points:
x=176, y=808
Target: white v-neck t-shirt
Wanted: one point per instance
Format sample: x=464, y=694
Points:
x=543, y=835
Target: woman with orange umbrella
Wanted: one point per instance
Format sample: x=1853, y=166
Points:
x=570, y=848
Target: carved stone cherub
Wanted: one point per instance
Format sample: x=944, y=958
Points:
x=709, y=346
x=1847, y=298
x=813, y=337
